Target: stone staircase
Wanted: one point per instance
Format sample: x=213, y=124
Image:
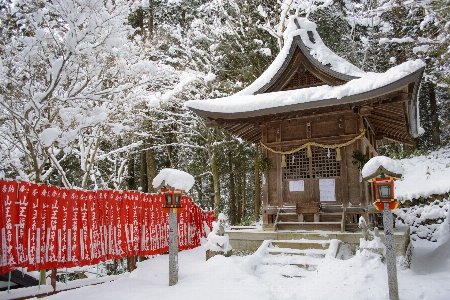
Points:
x=288, y=220
x=295, y=258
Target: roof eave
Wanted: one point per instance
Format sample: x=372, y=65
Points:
x=396, y=85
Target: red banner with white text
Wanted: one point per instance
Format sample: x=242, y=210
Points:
x=44, y=227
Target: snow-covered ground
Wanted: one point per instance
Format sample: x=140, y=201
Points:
x=424, y=175
x=362, y=276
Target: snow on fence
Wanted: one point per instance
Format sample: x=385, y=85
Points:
x=45, y=227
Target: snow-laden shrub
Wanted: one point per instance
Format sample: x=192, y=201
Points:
x=425, y=220
x=217, y=240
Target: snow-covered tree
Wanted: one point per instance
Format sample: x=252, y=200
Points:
x=67, y=71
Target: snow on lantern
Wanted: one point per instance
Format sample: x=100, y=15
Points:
x=383, y=171
x=173, y=183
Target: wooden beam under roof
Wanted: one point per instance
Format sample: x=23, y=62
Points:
x=407, y=141
x=237, y=127
x=253, y=135
x=248, y=127
x=391, y=108
x=387, y=120
x=395, y=135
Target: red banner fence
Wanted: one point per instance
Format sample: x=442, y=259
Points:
x=45, y=227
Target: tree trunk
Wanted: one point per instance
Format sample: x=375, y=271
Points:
x=151, y=168
x=200, y=191
x=257, y=190
x=144, y=177
x=214, y=171
x=131, y=180
x=169, y=150
x=233, y=204
x=434, y=117
x=150, y=21
x=243, y=194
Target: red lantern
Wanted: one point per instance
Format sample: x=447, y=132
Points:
x=384, y=191
x=172, y=199
x=384, y=188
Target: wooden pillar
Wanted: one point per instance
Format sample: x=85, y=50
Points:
x=279, y=171
x=42, y=277
x=53, y=279
x=131, y=263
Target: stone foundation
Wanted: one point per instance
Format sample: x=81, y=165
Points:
x=246, y=240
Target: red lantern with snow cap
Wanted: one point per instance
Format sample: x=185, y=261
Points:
x=176, y=182
x=383, y=172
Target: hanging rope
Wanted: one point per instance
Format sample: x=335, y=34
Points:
x=309, y=144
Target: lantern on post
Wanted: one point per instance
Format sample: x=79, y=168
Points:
x=178, y=182
x=382, y=172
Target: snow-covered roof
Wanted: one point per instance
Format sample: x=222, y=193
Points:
x=325, y=95
x=302, y=33
x=306, y=76
x=177, y=179
x=382, y=164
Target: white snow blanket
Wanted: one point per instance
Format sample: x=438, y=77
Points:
x=177, y=179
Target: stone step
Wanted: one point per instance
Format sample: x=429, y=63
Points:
x=316, y=248
x=307, y=252
x=309, y=223
x=303, y=254
x=301, y=244
x=306, y=262
x=295, y=226
x=291, y=271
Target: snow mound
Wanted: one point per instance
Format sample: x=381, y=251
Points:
x=424, y=176
x=381, y=161
x=49, y=136
x=428, y=222
x=177, y=179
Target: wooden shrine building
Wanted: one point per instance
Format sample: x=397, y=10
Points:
x=311, y=111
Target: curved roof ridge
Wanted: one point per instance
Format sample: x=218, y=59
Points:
x=321, y=53
x=302, y=34
x=370, y=86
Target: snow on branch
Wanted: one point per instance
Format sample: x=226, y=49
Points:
x=123, y=149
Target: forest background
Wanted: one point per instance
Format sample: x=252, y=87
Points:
x=92, y=92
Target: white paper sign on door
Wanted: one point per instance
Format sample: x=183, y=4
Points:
x=327, y=190
x=297, y=186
